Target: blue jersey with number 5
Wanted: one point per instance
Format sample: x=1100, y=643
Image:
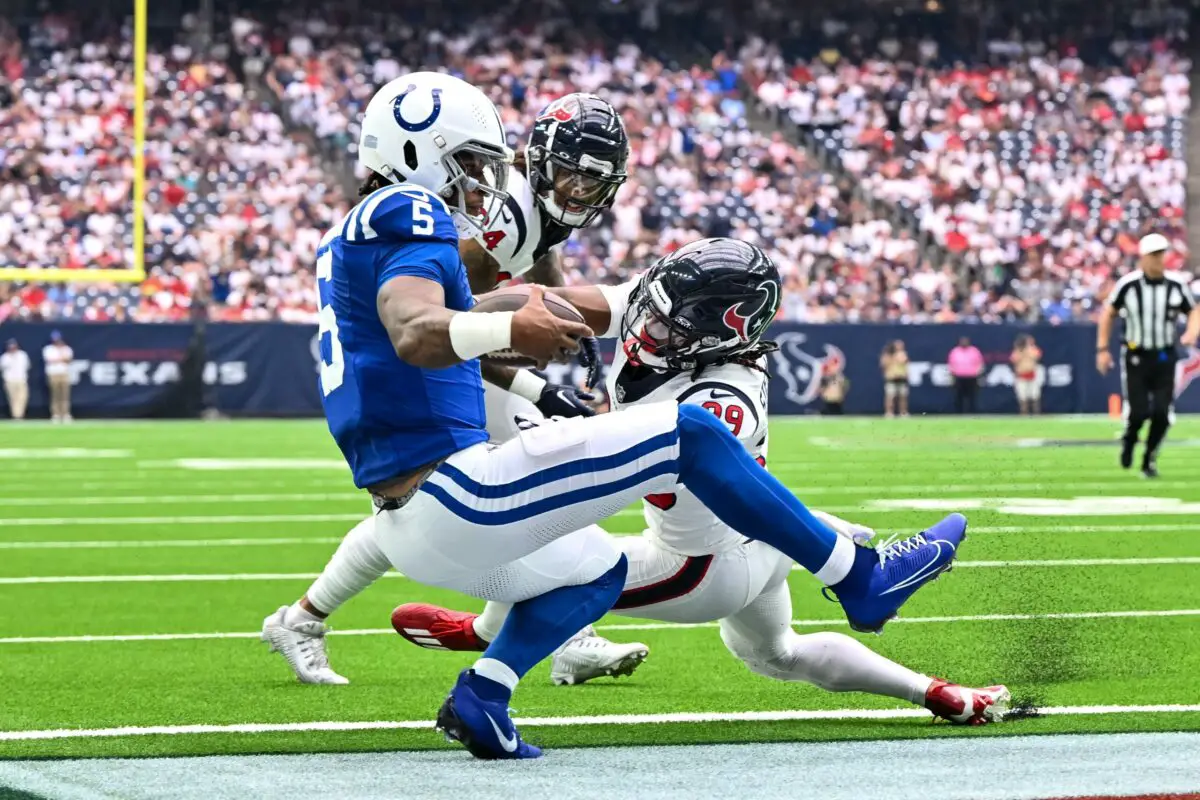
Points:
x=387, y=416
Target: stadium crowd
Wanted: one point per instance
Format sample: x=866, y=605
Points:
x=1034, y=176
x=1037, y=172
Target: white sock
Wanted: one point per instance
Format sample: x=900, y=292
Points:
x=838, y=565
x=357, y=564
x=297, y=613
x=496, y=671
x=838, y=663
x=488, y=624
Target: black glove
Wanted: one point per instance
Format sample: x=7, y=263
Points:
x=589, y=357
x=564, y=401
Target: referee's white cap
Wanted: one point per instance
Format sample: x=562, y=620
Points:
x=1153, y=243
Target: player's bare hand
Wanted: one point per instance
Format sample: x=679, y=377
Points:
x=1188, y=339
x=538, y=333
x=1104, y=362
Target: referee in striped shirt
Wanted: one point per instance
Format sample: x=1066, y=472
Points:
x=1150, y=301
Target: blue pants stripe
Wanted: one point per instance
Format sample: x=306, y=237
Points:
x=551, y=503
x=560, y=471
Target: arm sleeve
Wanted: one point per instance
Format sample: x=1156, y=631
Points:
x=434, y=261
x=618, y=302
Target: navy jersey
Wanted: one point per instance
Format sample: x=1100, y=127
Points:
x=389, y=417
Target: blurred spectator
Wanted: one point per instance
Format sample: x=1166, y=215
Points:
x=966, y=365
x=834, y=388
x=57, y=357
x=894, y=364
x=1026, y=360
x=14, y=368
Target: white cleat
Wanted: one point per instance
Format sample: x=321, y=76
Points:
x=303, y=645
x=587, y=655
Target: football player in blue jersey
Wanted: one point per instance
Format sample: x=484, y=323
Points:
x=402, y=390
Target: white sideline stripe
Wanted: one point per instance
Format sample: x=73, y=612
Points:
x=549, y=722
x=634, y=626
x=116, y=544
x=295, y=576
x=190, y=520
x=134, y=500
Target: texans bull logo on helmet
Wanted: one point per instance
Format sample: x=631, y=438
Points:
x=747, y=319
x=562, y=109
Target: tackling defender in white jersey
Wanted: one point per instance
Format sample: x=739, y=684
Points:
x=688, y=566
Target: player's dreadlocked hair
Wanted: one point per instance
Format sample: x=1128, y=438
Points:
x=748, y=359
x=373, y=183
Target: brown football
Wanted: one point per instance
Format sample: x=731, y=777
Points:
x=511, y=298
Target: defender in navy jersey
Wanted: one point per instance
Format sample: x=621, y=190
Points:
x=510, y=522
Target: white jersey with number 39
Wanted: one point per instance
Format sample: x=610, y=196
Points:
x=735, y=394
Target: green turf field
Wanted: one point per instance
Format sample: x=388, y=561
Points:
x=175, y=531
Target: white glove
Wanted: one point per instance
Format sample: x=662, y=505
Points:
x=861, y=535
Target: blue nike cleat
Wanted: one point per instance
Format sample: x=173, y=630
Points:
x=481, y=726
x=883, y=579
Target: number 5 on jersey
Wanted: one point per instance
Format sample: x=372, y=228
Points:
x=333, y=367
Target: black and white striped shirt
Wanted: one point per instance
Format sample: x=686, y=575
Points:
x=1151, y=308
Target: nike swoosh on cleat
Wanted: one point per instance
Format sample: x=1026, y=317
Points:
x=508, y=743
x=920, y=574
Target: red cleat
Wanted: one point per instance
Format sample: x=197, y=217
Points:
x=962, y=706
x=437, y=628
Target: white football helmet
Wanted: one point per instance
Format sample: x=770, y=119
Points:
x=443, y=134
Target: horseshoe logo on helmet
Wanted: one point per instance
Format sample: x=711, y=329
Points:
x=414, y=127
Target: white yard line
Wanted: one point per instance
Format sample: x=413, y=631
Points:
x=990, y=486
x=1068, y=562
x=290, y=576
x=241, y=519
x=620, y=626
x=1049, y=528
x=203, y=499
x=548, y=722
x=116, y=544
x=238, y=519
x=56, y=453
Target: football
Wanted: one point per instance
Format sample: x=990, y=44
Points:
x=511, y=298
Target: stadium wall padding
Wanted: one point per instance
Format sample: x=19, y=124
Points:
x=270, y=369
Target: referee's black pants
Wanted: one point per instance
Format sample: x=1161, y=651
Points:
x=1148, y=383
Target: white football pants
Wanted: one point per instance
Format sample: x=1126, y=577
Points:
x=511, y=521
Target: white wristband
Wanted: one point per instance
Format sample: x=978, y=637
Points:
x=473, y=335
x=526, y=384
